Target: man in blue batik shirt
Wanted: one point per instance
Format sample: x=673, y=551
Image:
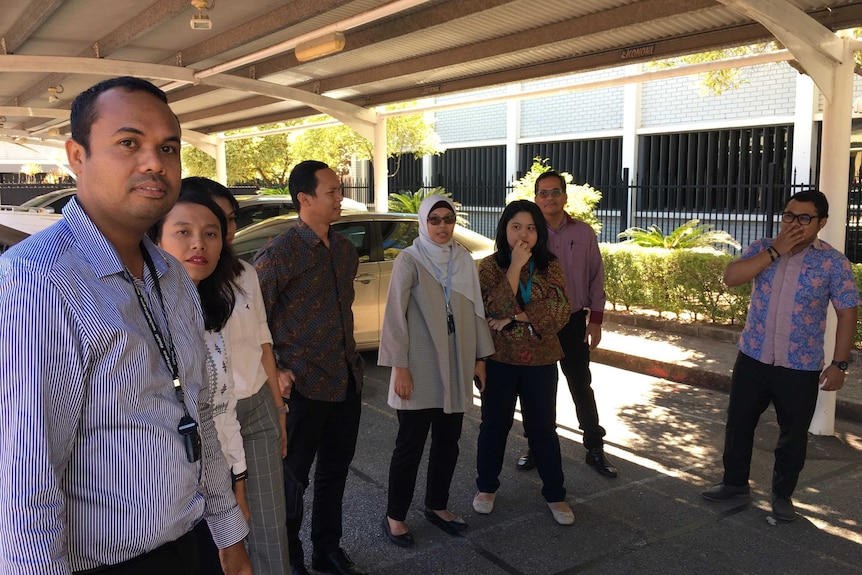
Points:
x=793, y=279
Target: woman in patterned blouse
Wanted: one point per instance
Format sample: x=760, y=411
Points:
x=194, y=232
x=523, y=288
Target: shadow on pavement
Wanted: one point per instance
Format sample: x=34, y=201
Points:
x=666, y=438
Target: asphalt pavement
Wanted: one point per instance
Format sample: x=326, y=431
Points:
x=666, y=439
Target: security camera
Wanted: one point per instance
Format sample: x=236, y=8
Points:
x=201, y=22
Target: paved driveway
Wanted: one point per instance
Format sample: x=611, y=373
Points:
x=666, y=439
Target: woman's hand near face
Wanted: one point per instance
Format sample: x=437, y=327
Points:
x=403, y=383
x=521, y=254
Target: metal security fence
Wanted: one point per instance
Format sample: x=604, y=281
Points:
x=853, y=239
x=745, y=211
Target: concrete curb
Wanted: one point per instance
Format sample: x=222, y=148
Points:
x=662, y=369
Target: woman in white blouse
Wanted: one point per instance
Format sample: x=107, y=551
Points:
x=194, y=232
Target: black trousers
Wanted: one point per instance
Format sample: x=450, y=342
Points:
x=576, y=367
x=794, y=394
x=325, y=430
x=536, y=386
x=413, y=428
x=178, y=557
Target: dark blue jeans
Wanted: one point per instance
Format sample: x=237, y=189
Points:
x=536, y=386
x=794, y=394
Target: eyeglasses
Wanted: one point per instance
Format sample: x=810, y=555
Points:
x=804, y=219
x=555, y=193
x=435, y=220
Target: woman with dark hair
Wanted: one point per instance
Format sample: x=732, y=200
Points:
x=435, y=338
x=260, y=409
x=524, y=291
x=194, y=232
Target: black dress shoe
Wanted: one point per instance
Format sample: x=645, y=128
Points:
x=403, y=540
x=783, y=509
x=452, y=527
x=299, y=570
x=598, y=460
x=526, y=462
x=723, y=492
x=336, y=562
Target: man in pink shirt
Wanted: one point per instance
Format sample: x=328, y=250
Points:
x=575, y=244
x=794, y=277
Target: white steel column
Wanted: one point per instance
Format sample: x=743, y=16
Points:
x=381, y=172
x=428, y=159
x=513, y=132
x=834, y=170
x=631, y=123
x=221, y=161
x=804, y=144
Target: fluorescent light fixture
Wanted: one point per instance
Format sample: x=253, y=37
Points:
x=320, y=47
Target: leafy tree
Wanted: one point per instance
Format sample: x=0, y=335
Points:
x=268, y=160
x=409, y=202
x=406, y=134
x=717, y=81
x=196, y=162
x=581, y=199
x=335, y=145
x=691, y=234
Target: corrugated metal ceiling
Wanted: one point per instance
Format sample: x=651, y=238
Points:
x=434, y=47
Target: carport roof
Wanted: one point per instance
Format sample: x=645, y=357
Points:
x=395, y=51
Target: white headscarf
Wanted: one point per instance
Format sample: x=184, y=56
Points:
x=434, y=257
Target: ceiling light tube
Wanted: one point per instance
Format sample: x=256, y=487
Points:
x=319, y=47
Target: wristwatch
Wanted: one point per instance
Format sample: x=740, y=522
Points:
x=842, y=365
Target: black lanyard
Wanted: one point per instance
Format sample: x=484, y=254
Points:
x=188, y=427
x=166, y=345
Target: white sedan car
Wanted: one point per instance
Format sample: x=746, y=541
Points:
x=378, y=239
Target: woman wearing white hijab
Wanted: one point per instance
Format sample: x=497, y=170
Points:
x=435, y=338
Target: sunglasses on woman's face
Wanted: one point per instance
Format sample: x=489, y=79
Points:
x=435, y=220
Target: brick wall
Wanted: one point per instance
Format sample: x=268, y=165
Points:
x=476, y=123
x=575, y=112
x=770, y=90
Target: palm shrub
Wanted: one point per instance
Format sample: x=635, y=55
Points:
x=408, y=202
x=582, y=199
x=691, y=234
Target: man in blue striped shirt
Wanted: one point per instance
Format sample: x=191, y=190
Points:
x=110, y=454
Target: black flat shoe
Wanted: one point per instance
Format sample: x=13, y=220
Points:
x=526, y=462
x=454, y=526
x=403, y=540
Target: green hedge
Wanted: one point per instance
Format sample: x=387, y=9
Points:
x=680, y=282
